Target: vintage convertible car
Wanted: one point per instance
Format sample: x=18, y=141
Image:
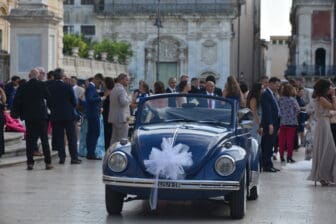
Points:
x=184, y=147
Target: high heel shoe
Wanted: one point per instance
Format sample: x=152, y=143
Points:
x=324, y=183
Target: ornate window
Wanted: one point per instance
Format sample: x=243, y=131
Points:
x=69, y=2
x=87, y=2
x=88, y=30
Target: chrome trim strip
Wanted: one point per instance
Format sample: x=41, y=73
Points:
x=173, y=184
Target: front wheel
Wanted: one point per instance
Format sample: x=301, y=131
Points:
x=238, y=200
x=113, y=200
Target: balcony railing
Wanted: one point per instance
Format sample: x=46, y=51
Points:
x=178, y=7
x=311, y=70
x=296, y=2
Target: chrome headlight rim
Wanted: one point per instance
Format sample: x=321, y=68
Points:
x=120, y=154
x=231, y=160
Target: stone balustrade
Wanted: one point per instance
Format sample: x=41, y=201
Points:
x=85, y=68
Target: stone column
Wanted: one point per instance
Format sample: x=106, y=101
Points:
x=182, y=59
x=149, y=66
x=35, y=35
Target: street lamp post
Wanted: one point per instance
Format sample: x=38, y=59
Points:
x=158, y=24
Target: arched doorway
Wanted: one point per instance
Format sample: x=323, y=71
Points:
x=320, y=61
x=172, y=59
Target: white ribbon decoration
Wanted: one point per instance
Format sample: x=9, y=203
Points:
x=168, y=163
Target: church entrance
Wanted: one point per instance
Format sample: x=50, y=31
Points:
x=320, y=61
x=167, y=70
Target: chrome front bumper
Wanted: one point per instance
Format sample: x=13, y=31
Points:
x=172, y=184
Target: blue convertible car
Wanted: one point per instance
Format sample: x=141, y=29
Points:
x=184, y=147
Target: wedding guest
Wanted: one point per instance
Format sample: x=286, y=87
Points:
x=10, y=90
x=159, y=87
x=217, y=91
x=109, y=84
x=30, y=104
x=253, y=103
x=324, y=154
x=63, y=117
x=2, y=120
x=232, y=90
x=270, y=122
x=289, y=110
x=119, y=109
x=171, y=85
x=93, y=110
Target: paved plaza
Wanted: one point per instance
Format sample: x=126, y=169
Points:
x=75, y=194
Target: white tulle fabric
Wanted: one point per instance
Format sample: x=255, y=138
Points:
x=167, y=163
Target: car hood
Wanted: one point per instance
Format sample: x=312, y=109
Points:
x=202, y=141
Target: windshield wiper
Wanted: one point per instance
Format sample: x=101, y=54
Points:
x=178, y=120
x=221, y=123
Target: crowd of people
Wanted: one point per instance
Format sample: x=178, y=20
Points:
x=96, y=114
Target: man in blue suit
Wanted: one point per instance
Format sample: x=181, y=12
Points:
x=62, y=106
x=270, y=122
x=93, y=109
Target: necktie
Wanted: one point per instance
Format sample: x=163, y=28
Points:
x=210, y=104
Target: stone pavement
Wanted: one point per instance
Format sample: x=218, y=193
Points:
x=72, y=194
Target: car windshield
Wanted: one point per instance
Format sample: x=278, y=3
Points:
x=167, y=108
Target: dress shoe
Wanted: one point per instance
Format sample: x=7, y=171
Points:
x=37, y=153
x=270, y=170
x=49, y=167
x=275, y=169
x=76, y=161
x=92, y=158
x=61, y=161
x=30, y=167
x=282, y=159
x=290, y=160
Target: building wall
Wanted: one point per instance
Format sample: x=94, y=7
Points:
x=199, y=44
x=5, y=7
x=313, y=27
x=245, y=53
x=277, y=56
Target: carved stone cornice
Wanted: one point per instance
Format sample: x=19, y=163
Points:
x=29, y=15
x=194, y=36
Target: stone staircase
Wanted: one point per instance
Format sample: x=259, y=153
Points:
x=15, y=150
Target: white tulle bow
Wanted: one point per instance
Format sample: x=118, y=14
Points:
x=168, y=163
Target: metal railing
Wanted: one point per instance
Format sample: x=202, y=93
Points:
x=178, y=7
x=311, y=70
x=296, y=2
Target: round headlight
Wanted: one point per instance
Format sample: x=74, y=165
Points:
x=118, y=162
x=225, y=165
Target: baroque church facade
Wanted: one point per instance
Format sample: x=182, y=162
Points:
x=196, y=38
x=312, y=44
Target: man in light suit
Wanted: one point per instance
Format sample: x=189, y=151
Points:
x=270, y=122
x=119, y=108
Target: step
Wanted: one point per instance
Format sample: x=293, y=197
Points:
x=12, y=161
x=18, y=149
x=12, y=138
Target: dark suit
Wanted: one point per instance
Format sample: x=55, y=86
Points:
x=93, y=105
x=206, y=102
x=270, y=116
x=218, y=92
x=10, y=91
x=30, y=103
x=62, y=105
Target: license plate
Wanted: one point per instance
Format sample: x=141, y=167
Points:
x=166, y=184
